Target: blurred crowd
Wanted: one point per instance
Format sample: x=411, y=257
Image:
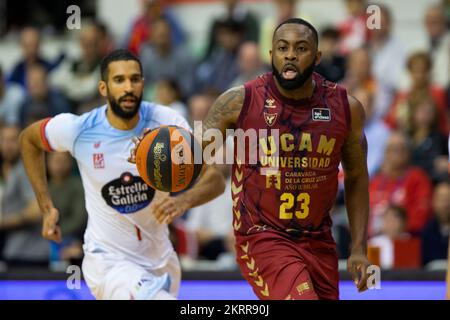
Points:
x=405, y=96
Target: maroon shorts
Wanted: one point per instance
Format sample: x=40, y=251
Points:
x=280, y=267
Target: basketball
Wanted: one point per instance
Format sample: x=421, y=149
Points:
x=165, y=159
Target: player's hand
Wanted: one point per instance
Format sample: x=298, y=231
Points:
x=50, y=229
x=137, y=141
x=167, y=208
x=357, y=265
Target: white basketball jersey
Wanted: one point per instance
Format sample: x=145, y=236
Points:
x=117, y=199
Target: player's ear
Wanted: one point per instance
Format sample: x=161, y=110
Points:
x=318, y=57
x=102, y=88
x=270, y=55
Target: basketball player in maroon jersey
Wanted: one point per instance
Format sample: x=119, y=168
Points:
x=281, y=217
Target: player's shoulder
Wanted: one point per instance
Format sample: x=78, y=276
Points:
x=160, y=114
x=328, y=85
x=259, y=81
x=78, y=123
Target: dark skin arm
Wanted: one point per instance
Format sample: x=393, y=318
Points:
x=210, y=184
x=33, y=155
x=222, y=115
x=354, y=155
x=224, y=112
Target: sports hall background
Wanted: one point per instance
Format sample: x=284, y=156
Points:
x=400, y=73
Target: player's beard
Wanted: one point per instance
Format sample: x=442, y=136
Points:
x=298, y=81
x=118, y=111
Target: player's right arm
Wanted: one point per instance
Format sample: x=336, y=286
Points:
x=33, y=147
x=225, y=111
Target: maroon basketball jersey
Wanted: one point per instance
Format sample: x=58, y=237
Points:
x=287, y=177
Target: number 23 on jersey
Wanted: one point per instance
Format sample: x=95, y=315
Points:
x=289, y=201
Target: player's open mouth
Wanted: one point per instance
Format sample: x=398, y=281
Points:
x=129, y=102
x=289, y=72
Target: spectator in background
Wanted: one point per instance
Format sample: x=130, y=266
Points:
x=353, y=29
x=21, y=217
x=107, y=43
x=250, y=64
x=429, y=146
x=30, y=42
x=393, y=228
x=142, y=28
x=11, y=99
x=238, y=14
x=388, y=56
x=419, y=67
x=359, y=72
x=221, y=68
x=78, y=78
x=161, y=59
x=332, y=64
x=435, y=236
x=359, y=76
x=438, y=45
x=200, y=104
x=285, y=9
x=377, y=132
x=66, y=191
x=400, y=184
x=42, y=101
x=388, y=53
x=168, y=94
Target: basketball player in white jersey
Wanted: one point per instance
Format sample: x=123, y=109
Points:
x=128, y=254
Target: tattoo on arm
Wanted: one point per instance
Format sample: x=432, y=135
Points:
x=228, y=104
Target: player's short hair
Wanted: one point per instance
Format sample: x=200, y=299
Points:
x=301, y=22
x=117, y=55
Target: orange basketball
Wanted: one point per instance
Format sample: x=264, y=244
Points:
x=165, y=159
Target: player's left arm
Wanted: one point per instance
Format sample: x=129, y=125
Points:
x=210, y=185
x=356, y=183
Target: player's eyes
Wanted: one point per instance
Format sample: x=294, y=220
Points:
x=118, y=80
x=302, y=49
x=283, y=48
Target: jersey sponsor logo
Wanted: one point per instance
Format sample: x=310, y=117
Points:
x=270, y=118
x=99, y=160
x=270, y=103
x=127, y=194
x=321, y=114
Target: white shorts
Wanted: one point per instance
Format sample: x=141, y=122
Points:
x=112, y=278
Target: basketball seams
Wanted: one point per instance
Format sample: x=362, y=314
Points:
x=158, y=167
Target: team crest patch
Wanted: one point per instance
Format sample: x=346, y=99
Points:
x=99, y=160
x=270, y=118
x=321, y=114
